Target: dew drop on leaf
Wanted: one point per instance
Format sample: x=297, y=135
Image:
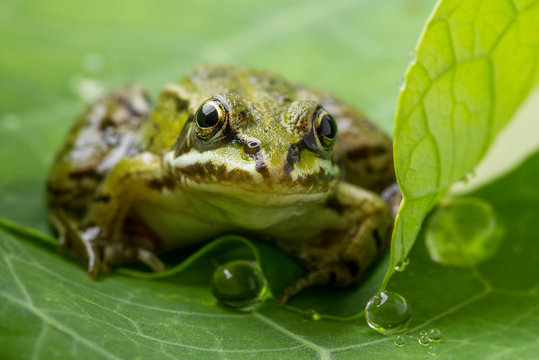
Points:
x=434, y=335
x=239, y=284
x=432, y=350
x=424, y=340
x=387, y=312
x=312, y=314
x=462, y=232
x=399, y=340
x=401, y=265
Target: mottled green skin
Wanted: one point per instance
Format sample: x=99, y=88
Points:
x=130, y=181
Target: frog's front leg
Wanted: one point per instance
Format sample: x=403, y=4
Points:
x=341, y=257
x=104, y=227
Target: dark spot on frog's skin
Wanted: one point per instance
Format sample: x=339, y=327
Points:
x=365, y=152
x=260, y=165
x=220, y=172
x=81, y=174
x=292, y=157
x=238, y=175
x=102, y=198
x=181, y=104
x=130, y=108
x=377, y=239
x=353, y=268
x=199, y=172
x=334, y=204
x=163, y=183
x=288, y=169
x=332, y=277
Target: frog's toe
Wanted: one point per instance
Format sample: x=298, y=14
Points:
x=150, y=259
x=312, y=278
x=92, y=252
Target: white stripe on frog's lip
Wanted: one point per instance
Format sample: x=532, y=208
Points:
x=319, y=166
x=194, y=157
x=251, y=196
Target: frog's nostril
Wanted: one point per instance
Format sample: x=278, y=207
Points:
x=252, y=146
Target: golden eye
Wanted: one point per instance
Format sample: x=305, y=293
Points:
x=210, y=118
x=325, y=128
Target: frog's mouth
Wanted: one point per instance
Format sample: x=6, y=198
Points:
x=242, y=178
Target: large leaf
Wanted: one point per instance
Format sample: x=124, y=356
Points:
x=476, y=62
x=51, y=310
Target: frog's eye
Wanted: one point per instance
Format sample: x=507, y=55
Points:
x=325, y=128
x=210, y=118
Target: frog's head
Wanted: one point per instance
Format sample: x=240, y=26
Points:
x=262, y=147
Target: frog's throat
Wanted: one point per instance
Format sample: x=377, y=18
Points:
x=203, y=171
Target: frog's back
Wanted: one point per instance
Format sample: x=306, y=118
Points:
x=106, y=133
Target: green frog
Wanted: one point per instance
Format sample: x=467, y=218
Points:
x=227, y=150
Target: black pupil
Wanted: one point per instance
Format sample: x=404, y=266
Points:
x=208, y=116
x=327, y=127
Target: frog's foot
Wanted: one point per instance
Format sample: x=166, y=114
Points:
x=116, y=252
x=99, y=255
x=312, y=278
x=340, y=259
x=150, y=259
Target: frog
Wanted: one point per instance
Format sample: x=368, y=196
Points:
x=225, y=150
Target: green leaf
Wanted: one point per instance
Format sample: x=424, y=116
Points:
x=49, y=309
x=475, y=63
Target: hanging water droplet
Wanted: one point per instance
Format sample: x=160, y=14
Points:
x=423, y=340
x=387, y=312
x=432, y=350
x=312, y=314
x=462, y=232
x=401, y=83
x=435, y=335
x=400, y=340
x=401, y=265
x=239, y=284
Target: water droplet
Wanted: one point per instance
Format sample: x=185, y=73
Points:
x=11, y=122
x=239, y=284
x=387, y=312
x=423, y=332
x=432, y=350
x=401, y=265
x=400, y=340
x=401, y=83
x=93, y=62
x=423, y=340
x=463, y=232
x=87, y=89
x=312, y=314
x=435, y=335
